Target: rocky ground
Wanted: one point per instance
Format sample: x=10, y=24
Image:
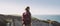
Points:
x=16, y=21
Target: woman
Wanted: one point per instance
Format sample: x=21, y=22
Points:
x=27, y=17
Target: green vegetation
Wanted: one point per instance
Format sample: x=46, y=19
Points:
x=33, y=18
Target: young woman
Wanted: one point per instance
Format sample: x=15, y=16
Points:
x=27, y=17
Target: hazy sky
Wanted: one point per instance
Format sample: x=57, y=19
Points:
x=38, y=7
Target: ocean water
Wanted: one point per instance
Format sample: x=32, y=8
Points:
x=46, y=17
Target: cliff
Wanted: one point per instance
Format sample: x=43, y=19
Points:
x=16, y=21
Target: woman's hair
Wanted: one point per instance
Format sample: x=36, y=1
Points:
x=27, y=8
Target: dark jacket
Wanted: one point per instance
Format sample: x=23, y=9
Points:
x=27, y=17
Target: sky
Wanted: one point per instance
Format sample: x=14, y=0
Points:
x=37, y=7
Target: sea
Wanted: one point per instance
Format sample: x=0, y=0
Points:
x=48, y=17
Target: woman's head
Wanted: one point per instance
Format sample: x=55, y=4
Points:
x=27, y=8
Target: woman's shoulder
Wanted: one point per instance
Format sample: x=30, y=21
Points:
x=24, y=13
